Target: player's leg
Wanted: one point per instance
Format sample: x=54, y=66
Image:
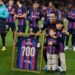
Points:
x=73, y=40
x=34, y=31
x=44, y=54
x=21, y=29
x=54, y=62
x=3, y=36
x=62, y=68
x=48, y=61
x=48, y=66
x=67, y=39
x=63, y=62
x=59, y=63
x=7, y=26
x=13, y=27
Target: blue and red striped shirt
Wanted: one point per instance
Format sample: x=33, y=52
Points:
x=34, y=16
x=52, y=49
x=20, y=11
x=11, y=10
x=28, y=49
x=71, y=18
x=61, y=38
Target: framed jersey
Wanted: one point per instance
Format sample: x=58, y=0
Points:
x=27, y=54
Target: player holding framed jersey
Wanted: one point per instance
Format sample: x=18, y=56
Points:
x=21, y=17
x=10, y=22
x=48, y=25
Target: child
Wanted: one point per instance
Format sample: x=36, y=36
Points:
x=60, y=33
x=51, y=43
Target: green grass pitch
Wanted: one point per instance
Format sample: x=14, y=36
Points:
x=5, y=60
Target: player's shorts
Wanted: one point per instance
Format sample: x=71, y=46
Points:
x=71, y=31
x=21, y=29
x=11, y=25
x=35, y=30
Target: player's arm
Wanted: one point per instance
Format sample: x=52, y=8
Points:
x=22, y=16
x=45, y=25
x=61, y=37
x=40, y=15
x=59, y=16
x=13, y=12
x=29, y=15
x=31, y=33
x=55, y=43
x=50, y=43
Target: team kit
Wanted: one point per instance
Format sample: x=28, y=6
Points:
x=28, y=47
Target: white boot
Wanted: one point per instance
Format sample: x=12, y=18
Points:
x=74, y=48
x=3, y=48
x=66, y=48
x=60, y=68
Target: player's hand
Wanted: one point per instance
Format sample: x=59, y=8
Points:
x=46, y=35
x=31, y=33
x=65, y=31
x=20, y=34
x=12, y=13
x=38, y=33
x=50, y=43
x=33, y=16
x=15, y=16
x=43, y=18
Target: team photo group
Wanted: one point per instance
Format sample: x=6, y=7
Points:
x=48, y=19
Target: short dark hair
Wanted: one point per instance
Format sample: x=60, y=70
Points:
x=36, y=2
x=59, y=21
x=52, y=29
x=20, y=1
x=53, y=12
